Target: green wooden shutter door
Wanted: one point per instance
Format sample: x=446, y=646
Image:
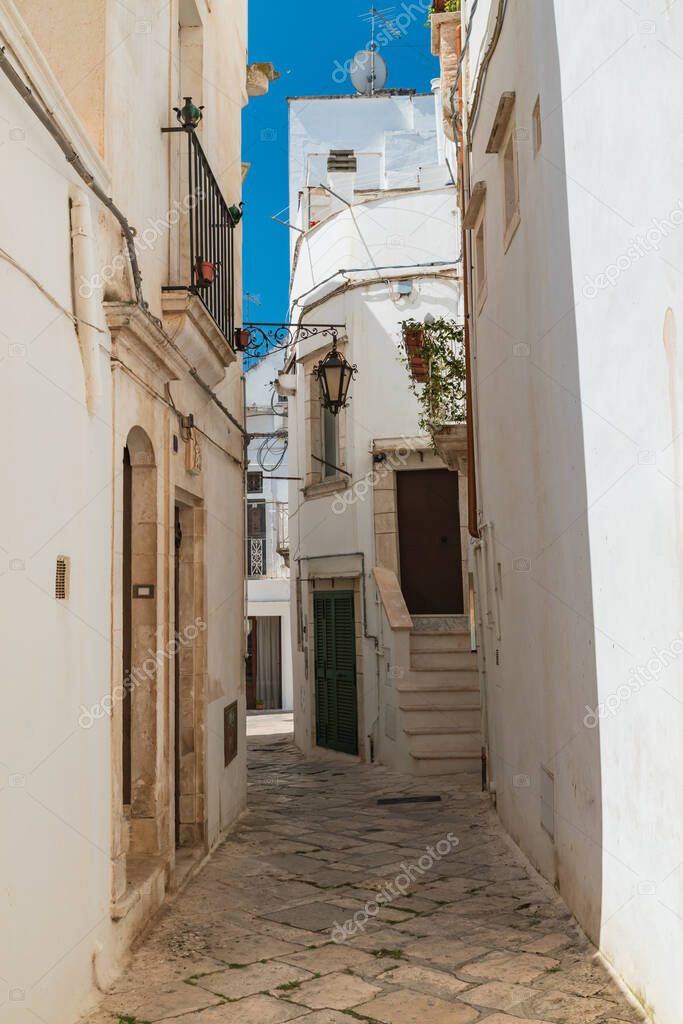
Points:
x=335, y=671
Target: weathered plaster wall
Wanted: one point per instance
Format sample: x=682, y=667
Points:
x=55, y=775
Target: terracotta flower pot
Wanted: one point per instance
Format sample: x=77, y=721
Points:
x=204, y=273
x=413, y=339
x=242, y=339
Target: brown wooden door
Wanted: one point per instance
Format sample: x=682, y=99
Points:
x=429, y=541
x=252, y=656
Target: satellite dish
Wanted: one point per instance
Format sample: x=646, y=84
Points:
x=368, y=72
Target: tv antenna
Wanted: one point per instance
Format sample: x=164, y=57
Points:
x=368, y=68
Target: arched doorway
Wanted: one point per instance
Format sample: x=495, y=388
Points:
x=140, y=644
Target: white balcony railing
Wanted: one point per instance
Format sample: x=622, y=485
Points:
x=257, y=556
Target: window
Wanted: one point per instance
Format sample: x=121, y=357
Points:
x=537, y=127
x=480, y=260
x=256, y=538
x=325, y=439
x=255, y=482
x=511, y=186
x=330, y=442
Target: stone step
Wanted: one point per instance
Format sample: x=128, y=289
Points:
x=443, y=659
x=430, y=720
x=443, y=679
x=440, y=623
x=445, y=744
x=441, y=730
x=453, y=641
x=452, y=764
x=445, y=699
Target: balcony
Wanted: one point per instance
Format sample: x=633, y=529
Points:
x=282, y=546
x=199, y=302
x=256, y=556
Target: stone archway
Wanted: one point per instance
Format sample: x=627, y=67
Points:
x=140, y=645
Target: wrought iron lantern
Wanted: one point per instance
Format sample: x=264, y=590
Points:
x=335, y=374
x=189, y=115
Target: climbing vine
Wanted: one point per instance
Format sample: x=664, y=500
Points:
x=442, y=391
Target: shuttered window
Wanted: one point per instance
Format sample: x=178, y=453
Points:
x=335, y=672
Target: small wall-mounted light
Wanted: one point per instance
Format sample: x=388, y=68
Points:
x=189, y=115
x=335, y=374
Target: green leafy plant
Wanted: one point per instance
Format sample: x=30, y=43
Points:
x=441, y=393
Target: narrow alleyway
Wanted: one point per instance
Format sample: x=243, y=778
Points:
x=460, y=932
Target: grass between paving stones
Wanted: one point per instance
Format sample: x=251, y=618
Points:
x=391, y=954
x=123, y=1018
x=359, y=1016
x=288, y=986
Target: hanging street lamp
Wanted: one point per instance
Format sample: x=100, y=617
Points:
x=335, y=374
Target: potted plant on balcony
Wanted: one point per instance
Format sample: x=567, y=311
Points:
x=242, y=339
x=260, y=705
x=413, y=341
x=440, y=389
x=204, y=272
x=444, y=7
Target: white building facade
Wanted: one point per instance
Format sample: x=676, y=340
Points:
x=575, y=236
x=122, y=583
x=383, y=667
x=269, y=654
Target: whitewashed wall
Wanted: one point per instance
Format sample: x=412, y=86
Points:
x=578, y=378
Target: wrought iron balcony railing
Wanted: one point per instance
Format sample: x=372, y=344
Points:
x=257, y=556
x=209, y=237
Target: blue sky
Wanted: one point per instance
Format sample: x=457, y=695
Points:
x=307, y=42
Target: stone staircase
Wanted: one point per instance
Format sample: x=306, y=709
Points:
x=440, y=699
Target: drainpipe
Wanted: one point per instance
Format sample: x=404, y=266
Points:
x=86, y=299
x=471, y=468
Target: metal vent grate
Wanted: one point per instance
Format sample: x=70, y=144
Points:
x=62, y=573
x=342, y=160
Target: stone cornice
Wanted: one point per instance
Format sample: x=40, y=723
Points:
x=194, y=332
x=142, y=345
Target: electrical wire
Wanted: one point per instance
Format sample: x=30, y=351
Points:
x=75, y=320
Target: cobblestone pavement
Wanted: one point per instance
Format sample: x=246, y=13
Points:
x=472, y=937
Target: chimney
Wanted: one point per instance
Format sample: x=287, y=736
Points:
x=341, y=173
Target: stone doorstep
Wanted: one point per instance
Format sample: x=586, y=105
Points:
x=144, y=874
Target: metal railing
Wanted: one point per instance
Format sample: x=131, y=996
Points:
x=283, y=529
x=257, y=556
x=210, y=237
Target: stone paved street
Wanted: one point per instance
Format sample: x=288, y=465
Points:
x=473, y=937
